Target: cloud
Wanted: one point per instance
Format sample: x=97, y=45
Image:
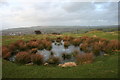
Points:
x=21, y=13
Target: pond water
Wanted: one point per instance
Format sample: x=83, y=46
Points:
x=58, y=49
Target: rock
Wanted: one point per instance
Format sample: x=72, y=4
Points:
x=68, y=64
x=29, y=64
x=45, y=64
x=106, y=55
x=60, y=64
x=94, y=36
x=64, y=66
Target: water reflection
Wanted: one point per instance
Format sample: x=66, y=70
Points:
x=58, y=50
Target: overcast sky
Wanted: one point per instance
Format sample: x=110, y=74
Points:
x=26, y=13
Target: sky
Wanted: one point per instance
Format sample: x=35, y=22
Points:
x=27, y=13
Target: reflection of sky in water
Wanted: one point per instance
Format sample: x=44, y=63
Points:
x=12, y=58
x=45, y=53
x=58, y=49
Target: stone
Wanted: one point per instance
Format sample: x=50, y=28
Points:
x=68, y=64
x=45, y=64
x=105, y=54
x=94, y=36
x=29, y=64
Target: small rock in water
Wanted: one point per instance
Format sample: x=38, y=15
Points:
x=29, y=64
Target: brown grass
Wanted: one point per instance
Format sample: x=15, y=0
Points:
x=32, y=44
x=23, y=57
x=33, y=51
x=97, y=48
x=85, y=58
x=112, y=45
x=58, y=39
x=67, y=38
x=76, y=42
x=5, y=52
x=47, y=45
x=53, y=60
x=75, y=53
x=66, y=44
x=84, y=47
x=37, y=59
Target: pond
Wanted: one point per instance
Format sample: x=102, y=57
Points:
x=58, y=50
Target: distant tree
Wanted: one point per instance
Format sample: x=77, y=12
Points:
x=38, y=32
x=56, y=33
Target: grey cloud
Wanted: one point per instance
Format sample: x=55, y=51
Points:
x=19, y=14
x=3, y=3
x=87, y=11
x=76, y=6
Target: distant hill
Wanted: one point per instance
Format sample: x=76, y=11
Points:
x=53, y=29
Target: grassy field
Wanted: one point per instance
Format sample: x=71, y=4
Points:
x=102, y=67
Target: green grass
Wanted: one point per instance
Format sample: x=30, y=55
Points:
x=0, y=67
x=101, y=34
x=6, y=40
x=103, y=67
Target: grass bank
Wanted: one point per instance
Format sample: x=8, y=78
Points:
x=103, y=67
